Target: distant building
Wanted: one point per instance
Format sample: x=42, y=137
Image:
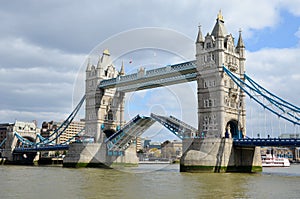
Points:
x=171, y=149
x=4, y=128
x=156, y=145
x=73, y=129
x=139, y=146
x=289, y=135
x=48, y=128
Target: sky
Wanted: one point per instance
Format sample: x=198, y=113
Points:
x=44, y=47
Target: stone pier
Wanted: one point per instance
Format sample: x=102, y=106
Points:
x=219, y=155
x=96, y=155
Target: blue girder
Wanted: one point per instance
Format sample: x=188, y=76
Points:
x=168, y=75
x=266, y=142
x=41, y=148
x=177, y=127
x=123, y=138
x=48, y=144
x=277, y=105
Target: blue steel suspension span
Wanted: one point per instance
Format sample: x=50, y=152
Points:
x=46, y=142
x=277, y=105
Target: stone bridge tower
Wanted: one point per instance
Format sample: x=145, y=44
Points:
x=221, y=107
x=221, y=104
x=104, y=109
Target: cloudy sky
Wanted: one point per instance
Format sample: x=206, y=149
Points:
x=44, y=46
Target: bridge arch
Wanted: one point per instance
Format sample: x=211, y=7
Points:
x=109, y=132
x=232, y=129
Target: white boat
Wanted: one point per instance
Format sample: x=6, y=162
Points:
x=269, y=160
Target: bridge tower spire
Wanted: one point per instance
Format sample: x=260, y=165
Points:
x=221, y=107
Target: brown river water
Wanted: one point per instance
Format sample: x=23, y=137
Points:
x=145, y=181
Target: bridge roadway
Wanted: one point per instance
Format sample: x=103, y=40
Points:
x=289, y=142
x=145, y=79
x=41, y=148
x=277, y=142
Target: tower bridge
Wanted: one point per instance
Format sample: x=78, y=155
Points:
x=218, y=144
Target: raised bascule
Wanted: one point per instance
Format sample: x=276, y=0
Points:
x=219, y=144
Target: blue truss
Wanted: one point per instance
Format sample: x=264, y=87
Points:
x=266, y=99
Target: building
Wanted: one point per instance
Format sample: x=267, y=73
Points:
x=171, y=149
x=73, y=129
x=4, y=128
x=48, y=129
x=139, y=146
x=289, y=135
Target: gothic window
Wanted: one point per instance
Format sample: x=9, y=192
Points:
x=208, y=45
x=210, y=103
x=110, y=115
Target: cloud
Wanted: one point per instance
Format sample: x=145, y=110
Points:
x=42, y=47
x=277, y=70
x=17, y=53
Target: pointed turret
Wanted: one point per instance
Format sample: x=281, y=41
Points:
x=219, y=28
x=122, y=71
x=105, y=59
x=199, y=37
x=88, y=66
x=99, y=67
x=240, y=43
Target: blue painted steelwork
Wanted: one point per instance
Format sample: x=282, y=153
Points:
x=171, y=74
x=48, y=144
x=2, y=143
x=123, y=138
x=177, y=127
x=276, y=105
x=266, y=142
x=41, y=148
x=58, y=132
x=61, y=129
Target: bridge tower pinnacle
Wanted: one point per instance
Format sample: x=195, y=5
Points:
x=104, y=108
x=221, y=104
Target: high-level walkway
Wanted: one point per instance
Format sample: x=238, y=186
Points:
x=145, y=79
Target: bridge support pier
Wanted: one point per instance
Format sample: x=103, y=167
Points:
x=219, y=155
x=96, y=155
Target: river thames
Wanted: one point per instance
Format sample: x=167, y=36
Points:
x=146, y=181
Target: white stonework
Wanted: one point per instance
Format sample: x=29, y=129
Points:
x=104, y=109
x=221, y=104
x=27, y=130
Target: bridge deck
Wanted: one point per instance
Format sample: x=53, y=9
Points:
x=41, y=148
x=176, y=126
x=266, y=142
x=122, y=139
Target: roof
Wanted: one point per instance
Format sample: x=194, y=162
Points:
x=219, y=28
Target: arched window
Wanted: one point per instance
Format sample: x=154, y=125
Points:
x=110, y=115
